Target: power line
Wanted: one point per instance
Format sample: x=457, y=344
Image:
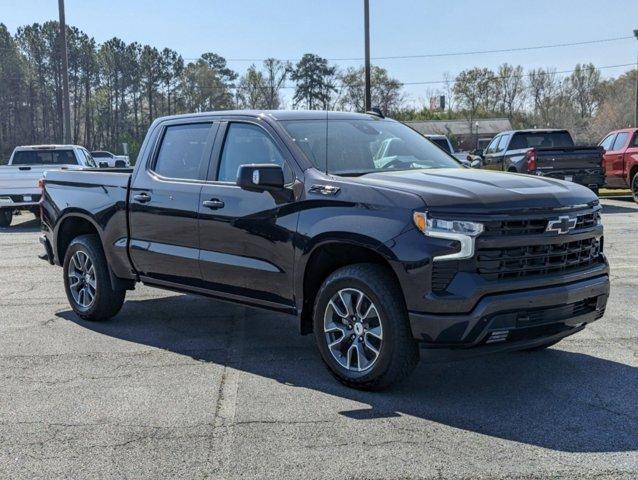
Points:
x=448, y=54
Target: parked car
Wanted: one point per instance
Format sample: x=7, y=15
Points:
x=19, y=179
x=107, y=159
x=294, y=211
x=621, y=159
x=549, y=153
x=444, y=143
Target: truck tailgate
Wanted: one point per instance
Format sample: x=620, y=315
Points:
x=578, y=158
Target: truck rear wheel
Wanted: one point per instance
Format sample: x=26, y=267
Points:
x=361, y=328
x=6, y=216
x=87, y=281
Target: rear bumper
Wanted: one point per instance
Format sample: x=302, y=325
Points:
x=516, y=320
x=592, y=180
x=19, y=198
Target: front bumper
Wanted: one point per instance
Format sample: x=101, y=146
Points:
x=519, y=319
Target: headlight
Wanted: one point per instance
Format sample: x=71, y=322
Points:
x=462, y=231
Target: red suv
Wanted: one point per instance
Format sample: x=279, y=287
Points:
x=621, y=159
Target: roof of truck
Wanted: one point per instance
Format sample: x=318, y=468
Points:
x=46, y=147
x=282, y=114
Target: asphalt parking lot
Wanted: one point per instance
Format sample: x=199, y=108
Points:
x=184, y=387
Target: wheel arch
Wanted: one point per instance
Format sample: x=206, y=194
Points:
x=70, y=226
x=74, y=224
x=326, y=257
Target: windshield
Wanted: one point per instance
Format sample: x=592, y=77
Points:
x=44, y=157
x=356, y=147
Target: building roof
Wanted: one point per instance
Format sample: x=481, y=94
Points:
x=486, y=126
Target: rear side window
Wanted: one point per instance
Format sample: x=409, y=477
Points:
x=181, y=154
x=44, y=157
x=245, y=144
x=502, y=144
x=621, y=139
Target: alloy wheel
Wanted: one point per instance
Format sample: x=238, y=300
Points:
x=353, y=330
x=82, y=283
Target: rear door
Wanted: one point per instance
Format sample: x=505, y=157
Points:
x=164, y=199
x=246, y=238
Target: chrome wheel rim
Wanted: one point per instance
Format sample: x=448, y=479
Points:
x=353, y=330
x=82, y=283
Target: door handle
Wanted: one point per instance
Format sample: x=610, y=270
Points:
x=142, y=197
x=213, y=204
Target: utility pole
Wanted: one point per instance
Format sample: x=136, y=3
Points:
x=636, y=112
x=366, y=28
x=66, y=104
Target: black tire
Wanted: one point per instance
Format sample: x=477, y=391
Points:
x=634, y=188
x=398, y=354
x=541, y=347
x=6, y=216
x=106, y=302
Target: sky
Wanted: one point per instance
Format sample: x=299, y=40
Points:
x=285, y=29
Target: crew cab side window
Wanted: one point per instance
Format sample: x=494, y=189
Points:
x=608, y=141
x=491, y=148
x=502, y=144
x=621, y=139
x=245, y=144
x=181, y=153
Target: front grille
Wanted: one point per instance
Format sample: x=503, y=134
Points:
x=535, y=260
x=535, y=226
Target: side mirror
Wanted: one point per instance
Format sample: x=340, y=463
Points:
x=475, y=164
x=260, y=177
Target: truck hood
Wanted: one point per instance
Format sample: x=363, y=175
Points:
x=481, y=191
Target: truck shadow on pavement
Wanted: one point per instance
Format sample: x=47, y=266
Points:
x=555, y=399
x=30, y=226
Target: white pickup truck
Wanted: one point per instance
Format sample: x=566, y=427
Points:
x=19, y=189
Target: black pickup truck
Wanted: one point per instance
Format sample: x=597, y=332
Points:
x=548, y=153
x=298, y=212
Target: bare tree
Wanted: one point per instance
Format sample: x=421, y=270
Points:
x=511, y=87
x=583, y=86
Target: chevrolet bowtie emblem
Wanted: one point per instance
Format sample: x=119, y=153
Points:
x=562, y=225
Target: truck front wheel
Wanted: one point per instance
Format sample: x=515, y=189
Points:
x=87, y=281
x=634, y=187
x=6, y=215
x=361, y=328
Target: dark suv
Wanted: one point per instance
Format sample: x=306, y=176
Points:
x=375, y=238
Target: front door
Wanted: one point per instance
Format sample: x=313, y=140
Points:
x=164, y=200
x=614, y=160
x=246, y=238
